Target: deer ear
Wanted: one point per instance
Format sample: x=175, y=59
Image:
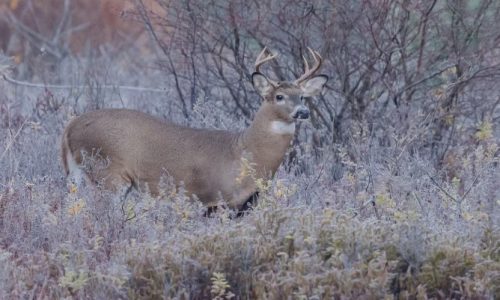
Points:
x=261, y=84
x=314, y=86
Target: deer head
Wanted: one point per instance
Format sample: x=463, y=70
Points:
x=287, y=98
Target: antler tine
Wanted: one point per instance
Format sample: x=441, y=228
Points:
x=306, y=64
x=264, y=56
x=308, y=72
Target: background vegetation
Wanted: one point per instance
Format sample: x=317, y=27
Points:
x=389, y=191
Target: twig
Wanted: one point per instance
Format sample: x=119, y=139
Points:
x=14, y=138
x=320, y=173
x=80, y=86
x=35, y=37
x=419, y=202
x=440, y=187
x=62, y=23
x=471, y=186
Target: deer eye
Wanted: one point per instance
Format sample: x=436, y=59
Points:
x=280, y=97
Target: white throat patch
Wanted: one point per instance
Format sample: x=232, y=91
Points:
x=280, y=127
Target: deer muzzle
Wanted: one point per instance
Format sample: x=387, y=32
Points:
x=300, y=112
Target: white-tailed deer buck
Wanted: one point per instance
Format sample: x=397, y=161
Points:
x=140, y=148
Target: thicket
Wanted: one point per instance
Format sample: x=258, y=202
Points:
x=390, y=190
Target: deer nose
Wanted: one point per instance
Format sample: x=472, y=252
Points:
x=300, y=112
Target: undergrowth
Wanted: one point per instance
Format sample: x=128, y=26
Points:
x=89, y=244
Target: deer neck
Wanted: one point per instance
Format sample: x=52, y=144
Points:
x=266, y=141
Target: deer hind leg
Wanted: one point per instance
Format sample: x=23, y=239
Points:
x=97, y=171
x=75, y=173
x=241, y=211
x=114, y=178
x=248, y=205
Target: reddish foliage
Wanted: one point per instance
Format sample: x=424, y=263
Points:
x=82, y=25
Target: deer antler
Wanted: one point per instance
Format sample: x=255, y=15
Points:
x=264, y=56
x=308, y=72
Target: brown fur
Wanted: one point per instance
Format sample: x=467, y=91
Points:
x=212, y=164
x=141, y=148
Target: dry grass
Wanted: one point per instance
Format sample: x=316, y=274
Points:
x=400, y=201
x=57, y=244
